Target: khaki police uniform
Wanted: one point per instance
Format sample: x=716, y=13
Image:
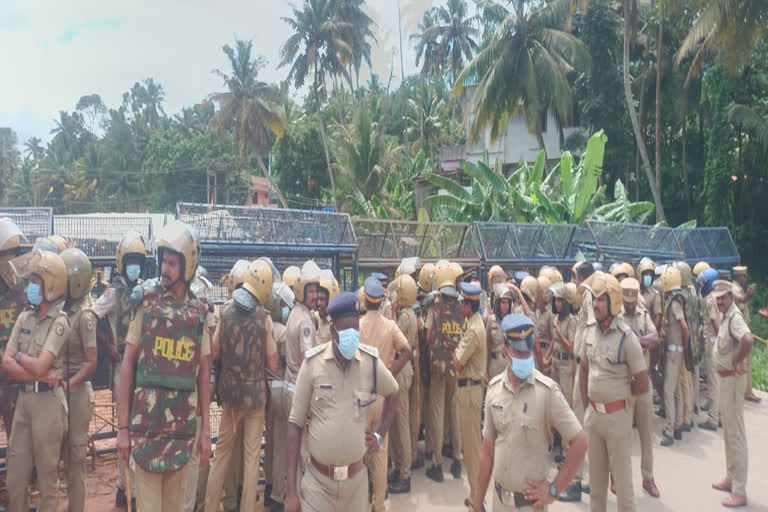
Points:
x=733, y=327
x=300, y=336
x=520, y=424
x=40, y=419
x=563, y=362
x=586, y=317
x=277, y=420
x=710, y=318
x=544, y=325
x=652, y=300
x=407, y=416
x=160, y=491
x=244, y=398
x=337, y=402
x=81, y=401
x=383, y=334
x=613, y=356
x=642, y=405
x=673, y=369
x=496, y=361
x=472, y=354
x=386, y=308
x=738, y=292
x=323, y=328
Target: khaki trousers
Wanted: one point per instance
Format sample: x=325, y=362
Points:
x=377, y=462
x=9, y=393
x=642, y=407
x=672, y=397
x=609, y=443
x=160, y=492
x=442, y=401
x=193, y=473
x=415, y=400
x=121, y=465
x=713, y=383
x=734, y=435
x=277, y=422
x=564, y=372
x=470, y=402
x=686, y=393
x=582, y=474
x=748, y=383
x=400, y=433
x=39, y=423
x=319, y=493
x=251, y=422
x=81, y=404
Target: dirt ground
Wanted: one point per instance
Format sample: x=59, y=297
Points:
x=683, y=474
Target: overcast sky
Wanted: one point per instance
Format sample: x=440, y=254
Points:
x=53, y=52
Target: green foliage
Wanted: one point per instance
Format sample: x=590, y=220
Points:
x=717, y=191
x=299, y=163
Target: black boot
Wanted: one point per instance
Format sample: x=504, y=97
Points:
x=678, y=434
x=418, y=463
x=400, y=486
x=447, y=451
x=456, y=469
x=435, y=472
x=120, y=499
x=666, y=440
x=571, y=494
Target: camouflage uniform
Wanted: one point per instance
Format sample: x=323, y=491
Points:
x=170, y=338
x=246, y=341
x=12, y=301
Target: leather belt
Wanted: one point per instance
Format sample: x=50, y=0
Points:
x=610, y=407
x=674, y=348
x=562, y=356
x=338, y=472
x=35, y=387
x=726, y=373
x=468, y=382
x=517, y=499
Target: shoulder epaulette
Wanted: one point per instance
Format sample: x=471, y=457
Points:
x=315, y=350
x=64, y=316
x=496, y=379
x=550, y=383
x=373, y=351
x=623, y=327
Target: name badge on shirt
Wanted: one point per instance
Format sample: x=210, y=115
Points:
x=26, y=331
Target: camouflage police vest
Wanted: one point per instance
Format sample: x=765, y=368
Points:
x=164, y=406
x=243, y=338
x=447, y=333
x=124, y=309
x=12, y=303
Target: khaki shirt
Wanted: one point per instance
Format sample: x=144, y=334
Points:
x=382, y=333
x=386, y=308
x=709, y=314
x=278, y=335
x=614, y=356
x=323, y=327
x=544, y=321
x=335, y=401
x=472, y=351
x=652, y=301
x=81, y=337
x=493, y=328
x=409, y=326
x=586, y=318
x=641, y=322
x=299, y=337
x=738, y=293
x=520, y=425
x=567, y=328
x=733, y=327
x=31, y=335
x=675, y=313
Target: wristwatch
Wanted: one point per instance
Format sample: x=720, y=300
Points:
x=553, y=490
x=378, y=438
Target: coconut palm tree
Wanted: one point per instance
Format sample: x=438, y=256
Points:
x=34, y=150
x=426, y=46
x=456, y=35
x=523, y=69
x=247, y=107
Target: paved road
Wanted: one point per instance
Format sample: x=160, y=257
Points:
x=684, y=473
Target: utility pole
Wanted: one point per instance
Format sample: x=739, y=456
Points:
x=400, y=32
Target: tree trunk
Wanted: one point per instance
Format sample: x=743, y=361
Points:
x=540, y=139
x=659, y=53
x=325, y=145
x=265, y=172
x=635, y=123
x=686, y=188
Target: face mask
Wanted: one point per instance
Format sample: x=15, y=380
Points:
x=33, y=294
x=284, y=312
x=647, y=281
x=132, y=272
x=522, y=368
x=349, y=339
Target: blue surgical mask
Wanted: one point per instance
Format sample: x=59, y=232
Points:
x=349, y=339
x=33, y=294
x=132, y=272
x=647, y=281
x=284, y=313
x=522, y=368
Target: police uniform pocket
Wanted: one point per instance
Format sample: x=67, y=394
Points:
x=324, y=394
x=363, y=401
x=531, y=430
x=500, y=420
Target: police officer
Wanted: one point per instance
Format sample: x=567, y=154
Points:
x=502, y=306
x=612, y=369
x=469, y=363
x=116, y=308
x=522, y=406
x=386, y=304
x=710, y=327
x=80, y=360
x=426, y=303
x=394, y=352
x=300, y=333
x=742, y=299
x=165, y=377
x=676, y=337
x=336, y=385
x=13, y=298
x=690, y=370
x=326, y=291
x=733, y=350
x=243, y=340
x=33, y=360
x=563, y=333
x=638, y=318
x=405, y=429
x=651, y=298
x=543, y=321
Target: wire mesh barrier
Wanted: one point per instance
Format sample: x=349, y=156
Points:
x=33, y=222
x=613, y=240
x=525, y=243
x=715, y=245
x=97, y=235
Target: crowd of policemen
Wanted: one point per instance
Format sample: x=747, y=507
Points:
x=531, y=386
